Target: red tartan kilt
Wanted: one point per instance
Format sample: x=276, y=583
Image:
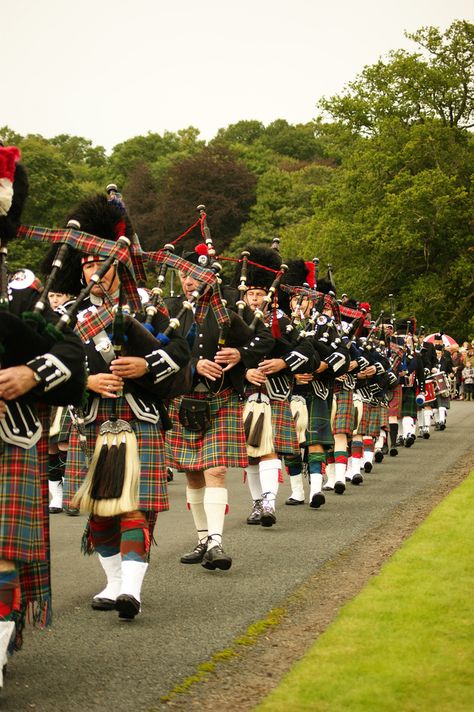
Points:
x=384, y=418
x=153, y=490
x=222, y=445
x=22, y=531
x=395, y=405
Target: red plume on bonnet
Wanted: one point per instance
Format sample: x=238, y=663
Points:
x=201, y=249
x=9, y=155
x=311, y=276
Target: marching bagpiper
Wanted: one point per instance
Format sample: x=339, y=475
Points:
x=270, y=428
x=208, y=435
x=316, y=387
x=39, y=367
x=125, y=485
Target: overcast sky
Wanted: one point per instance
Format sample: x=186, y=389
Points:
x=109, y=71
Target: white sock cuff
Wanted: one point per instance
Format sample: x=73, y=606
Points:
x=252, y=469
x=195, y=496
x=266, y=465
x=216, y=495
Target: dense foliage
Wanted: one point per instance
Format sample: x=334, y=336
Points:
x=379, y=183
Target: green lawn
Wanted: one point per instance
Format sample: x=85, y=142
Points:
x=406, y=643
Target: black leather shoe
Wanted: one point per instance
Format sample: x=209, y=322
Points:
x=268, y=518
x=292, y=502
x=339, y=488
x=357, y=480
x=127, y=606
x=317, y=500
x=442, y=426
x=410, y=440
x=378, y=457
x=368, y=467
x=72, y=511
x=216, y=558
x=196, y=556
x=103, y=604
x=255, y=515
x=55, y=510
x=426, y=435
x=393, y=452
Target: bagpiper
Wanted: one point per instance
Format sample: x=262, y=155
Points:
x=208, y=435
x=124, y=487
x=39, y=367
x=270, y=428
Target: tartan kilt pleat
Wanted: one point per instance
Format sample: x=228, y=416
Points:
x=153, y=489
x=344, y=420
x=442, y=402
x=24, y=524
x=408, y=402
x=370, y=422
x=285, y=438
x=384, y=418
x=64, y=428
x=222, y=445
x=395, y=405
x=319, y=422
x=22, y=536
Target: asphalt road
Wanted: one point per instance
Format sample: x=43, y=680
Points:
x=90, y=661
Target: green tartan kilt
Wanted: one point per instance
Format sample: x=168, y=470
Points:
x=408, y=402
x=319, y=422
x=383, y=418
x=371, y=422
x=153, y=486
x=442, y=402
x=344, y=418
x=222, y=445
x=285, y=439
x=65, y=426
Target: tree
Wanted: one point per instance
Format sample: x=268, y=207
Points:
x=141, y=200
x=245, y=132
x=434, y=83
x=53, y=188
x=78, y=150
x=159, y=152
x=215, y=178
x=396, y=217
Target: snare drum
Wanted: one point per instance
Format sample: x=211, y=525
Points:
x=430, y=394
x=441, y=384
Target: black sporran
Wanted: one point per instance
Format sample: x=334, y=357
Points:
x=195, y=415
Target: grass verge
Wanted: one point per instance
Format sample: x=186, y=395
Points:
x=406, y=643
x=205, y=669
